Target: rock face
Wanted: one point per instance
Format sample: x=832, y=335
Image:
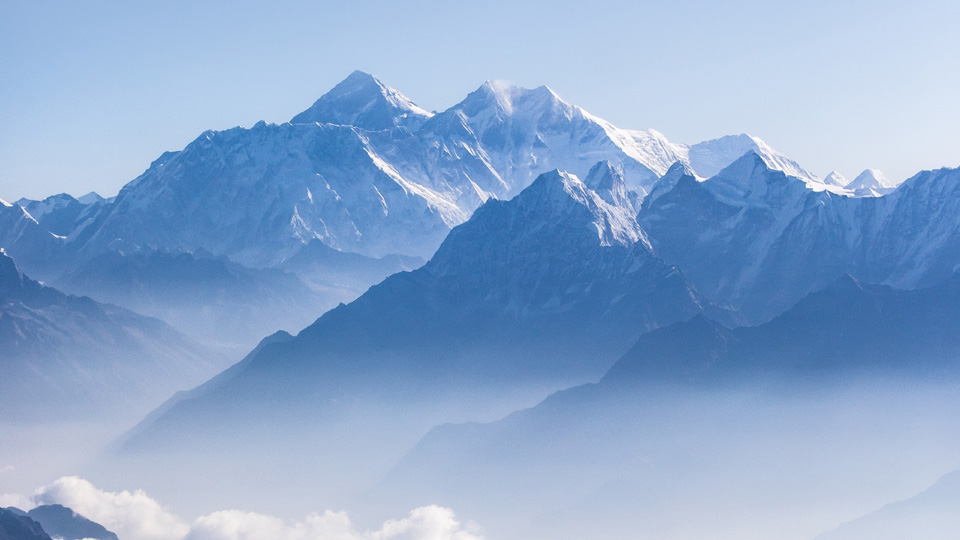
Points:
x=17, y=526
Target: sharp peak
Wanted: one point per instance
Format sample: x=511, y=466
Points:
x=751, y=160
x=678, y=169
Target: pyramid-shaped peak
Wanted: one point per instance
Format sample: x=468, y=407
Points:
x=871, y=178
x=606, y=180
x=555, y=192
x=363, y=101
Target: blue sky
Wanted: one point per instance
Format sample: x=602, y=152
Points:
x=92, y=92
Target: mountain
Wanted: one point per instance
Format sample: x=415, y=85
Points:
x=363, y=101
x=710, y=157
x=871, y=183
x=70, y=357
x=758, y=240
x=365, y=170
x=530, y=295
x=62, y=522
x=62, y=214
x=14, y=526
x=23, y=237
x=703, y=431
x=835, y=179
x=212, y=298
x=932, y=515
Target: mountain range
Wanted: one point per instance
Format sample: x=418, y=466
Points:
x=513, y=296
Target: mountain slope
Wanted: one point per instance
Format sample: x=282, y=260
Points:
x=758, y=240
x=18, y=527
x=61, y=522
x=206, y=297
x=932, y=515
x=365, y=170
x=70, y=357
x=701, y=431
x=528, y=296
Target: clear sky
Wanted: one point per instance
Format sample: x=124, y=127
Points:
x=91, y=92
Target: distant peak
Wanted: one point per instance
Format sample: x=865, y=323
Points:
x=835, y=179
x=507, y=96
x=606, y=180
x=870, y=178
x=871, y=183
x=363, y=101
x=708, y=158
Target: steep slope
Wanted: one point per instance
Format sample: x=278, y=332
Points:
x=523, y=133
x=14, y=526
x=23, y=237
x=530, y=295
x=259, y=195
x=701, y=431
x=70, y=357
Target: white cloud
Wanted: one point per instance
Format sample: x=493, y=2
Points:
x=136, y=516
x=425, y=523
x=15, y=499
x=133, y=516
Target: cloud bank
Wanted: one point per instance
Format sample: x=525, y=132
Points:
x=136, y=516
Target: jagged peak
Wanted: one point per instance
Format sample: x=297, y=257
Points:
x=362, y=100
x=556, y=190
x=606, y=180
x=670, y=179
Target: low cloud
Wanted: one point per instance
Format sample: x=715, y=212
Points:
x=133, y=516
x=136, y=516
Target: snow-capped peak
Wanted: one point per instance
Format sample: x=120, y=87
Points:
x=870, y=179
x=554, y=191
x=606, y=180
x=709, y=157
x=363, y=101
x=835, y=179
